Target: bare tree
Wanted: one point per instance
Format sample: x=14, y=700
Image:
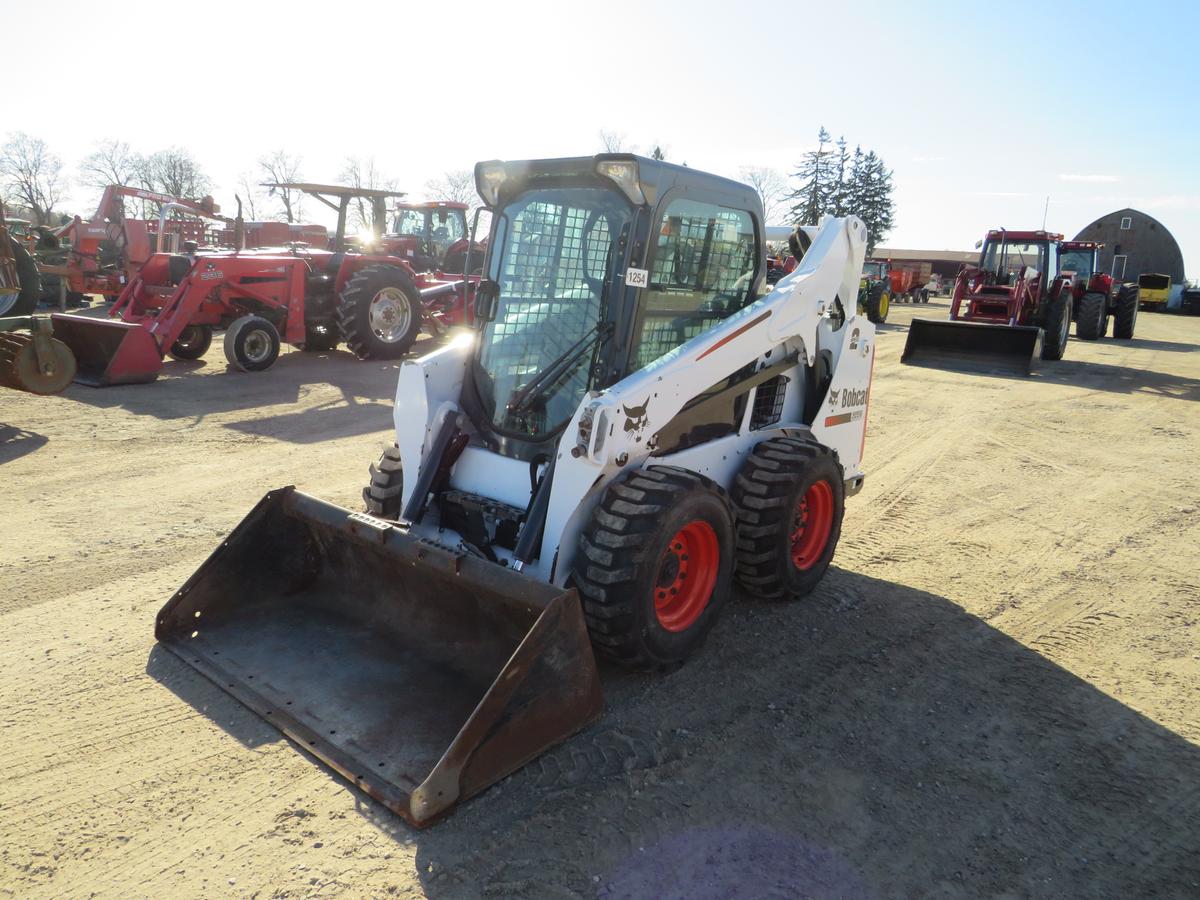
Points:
x=174, y=171
x=457, y=185
x=250, y=194
x=772, y=188
x=31, y=175
x=281, y=167
x=615, y=142
x=360, y=172
x=112, y=162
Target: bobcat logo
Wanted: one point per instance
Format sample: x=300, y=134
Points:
x=833, y=398
x=635, y=421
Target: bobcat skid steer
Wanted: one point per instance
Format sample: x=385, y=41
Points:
x=631, y=427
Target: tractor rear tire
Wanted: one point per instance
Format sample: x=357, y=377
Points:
x=1057, y=326
x=25, y=301
x=1125, y=316
x=193, y=342
x=1091, y=316
x=789, y=497
x=654, y=566
x=380, y=312
x=321, y=338
x=252, y=344
x=879, y=301
x=382, y=497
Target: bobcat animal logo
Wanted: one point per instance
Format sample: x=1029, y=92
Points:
x=833, y=398
x=635, y=418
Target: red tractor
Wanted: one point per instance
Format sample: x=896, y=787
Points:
x=1097, y=295
x=1013, y=307
x=376, y=295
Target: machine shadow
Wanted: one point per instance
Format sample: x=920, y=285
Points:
x=1119, y=379
x=188, y=397
x=875, y=740
x=16, y=442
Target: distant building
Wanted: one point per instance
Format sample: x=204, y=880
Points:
x=1134, y=244
x=944, y=263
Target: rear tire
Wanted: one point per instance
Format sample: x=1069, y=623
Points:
x=320, y=338
x=193, y=342
x=24, y=302
x=1057, y=326
x=1090, y=317
x=879, y=301
x=1125, y=316
x=382, y=496
x=379, y=312
x=654, y=566
x=251, y=344
x=789, y=497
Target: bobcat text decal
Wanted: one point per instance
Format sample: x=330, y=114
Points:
x=851, y=399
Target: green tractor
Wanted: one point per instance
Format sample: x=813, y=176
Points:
x=875, y=291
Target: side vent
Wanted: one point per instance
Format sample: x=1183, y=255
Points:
x=768, y=402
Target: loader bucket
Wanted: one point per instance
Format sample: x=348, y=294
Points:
x=973, y=346
x=108, y=351
x=420, y=674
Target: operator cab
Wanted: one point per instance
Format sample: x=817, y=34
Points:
x=1006, y=254
x=875, y=270
x=1078, y=257
x=596, y=267
x=437, y=226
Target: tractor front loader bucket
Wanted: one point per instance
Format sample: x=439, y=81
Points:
x=109, y=351
x=1010, y=349
x=420, y=674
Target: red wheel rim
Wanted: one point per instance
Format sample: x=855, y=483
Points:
x=687, y=572
x=812, y=524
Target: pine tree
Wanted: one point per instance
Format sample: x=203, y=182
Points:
x=816, y=175
x=872, y=199
x=838, y=202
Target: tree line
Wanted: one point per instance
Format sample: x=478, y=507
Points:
x=35, y=183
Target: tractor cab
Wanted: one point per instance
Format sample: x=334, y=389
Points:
x=1009, y=256
x=1078, y=258
x=596, y=267
x=436, y=226
x=875, y=270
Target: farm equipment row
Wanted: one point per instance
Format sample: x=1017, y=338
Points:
x=375, y=294
x=1016, y=306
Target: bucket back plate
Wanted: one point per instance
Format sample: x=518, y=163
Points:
x=421, y=675
x=973, y=346
x=108, y=351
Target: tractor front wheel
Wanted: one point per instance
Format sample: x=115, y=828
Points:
x=29, y=282
x=193, y=342
x=1125, y=316
x=879, y=301
x=252, y=344
x=1090, y=317
x=654, y=566
x=1057, y=326
x=789, y=498
x=379, y=312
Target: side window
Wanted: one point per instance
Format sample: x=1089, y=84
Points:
x=702, y=271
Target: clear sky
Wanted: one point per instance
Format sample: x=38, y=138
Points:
x=981, y=109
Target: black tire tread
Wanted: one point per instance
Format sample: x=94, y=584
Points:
x=760, y=497
x=611, y=546
x=350, y=323
x=1090, y=317
x=382, y=495
x=1125, y=316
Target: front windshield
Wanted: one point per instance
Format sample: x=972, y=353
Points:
x=873, y=270
x=1077, y=261
x=409, y=222
x=1006, y=258
x=556, y=255
x=448, y=226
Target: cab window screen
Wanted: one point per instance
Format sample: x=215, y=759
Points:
x=703, y=270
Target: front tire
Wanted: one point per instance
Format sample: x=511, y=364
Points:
x=789, y=497
x=654, y=566
x=879, y=301
x=1125, y=316
x=29, y=280
x=251, y=344
x=1090, y=317
x=379, y=312
x=193, y=342
x=382, y=496
x=1057, y=326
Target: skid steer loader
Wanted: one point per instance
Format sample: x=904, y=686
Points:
x=631, y=427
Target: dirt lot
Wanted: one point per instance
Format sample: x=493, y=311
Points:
x=996, y=692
